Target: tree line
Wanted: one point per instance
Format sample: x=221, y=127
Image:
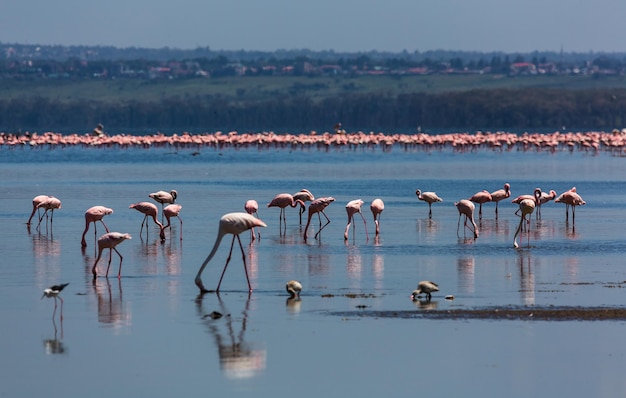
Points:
x=469, y=110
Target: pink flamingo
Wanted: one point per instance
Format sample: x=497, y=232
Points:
x=37, y=201
x=570, y=198
x=353, y=207
x=481, y=197
x=318, y=206
x=149, y=210
x=252, y=208
x=93, y=214
x=466, y=208
x=283, y=200
x=109, y=241
x=163, y=197
x=305, y=196
x=170, y=211
x=430, y=198
x=47, y=203
x=501, y=194
x=377, y=208
x=543, y=199
x=235, y=224
x=526, y=206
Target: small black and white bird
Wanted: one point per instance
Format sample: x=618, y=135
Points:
x=53, y=291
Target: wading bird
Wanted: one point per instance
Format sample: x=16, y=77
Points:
x=109, y=241
x=148, y=210
x=526, y=206
x=318, y=206
x=282, y=200
x=430, y=198
x=305, y=196
x=353, y=207
x=481, y=197
x=93, y=214
x=54, y=291
x=294, y=288
x=500, y=194
x=163, y=197
x=377, y=208
x=425, y=287
x=235, y=224
x=252, y=207
x=170, y=211
x=570, y=198
x=466, y=208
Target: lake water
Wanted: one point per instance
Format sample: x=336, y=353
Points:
x=355, y=331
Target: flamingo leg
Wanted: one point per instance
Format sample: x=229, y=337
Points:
x=105, y=226
x=245, y=267
x=430, y=210
x=367, y=236
x=230, y=253
x=322, y=227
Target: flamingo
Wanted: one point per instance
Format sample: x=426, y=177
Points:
x=570, y=198
x=93, y=214
x=235, y=224
x=377, y=208
x=318, y=206
x=163, y=197
x=54, y=291
x=353, y=207
x=501, y=194
x=481, y=197
x=426, y=287
x=283, y=200
x=109, y=241
x=294, y=288
x=430, y=198
x=543, y=199
x=149, y=210
x=37, y=201
x=170, y=211
x=526, y=206
x=252, y=207
x=305, y=196
x=466, y=208
x=47, y=203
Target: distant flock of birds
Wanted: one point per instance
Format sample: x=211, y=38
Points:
x=238, y=222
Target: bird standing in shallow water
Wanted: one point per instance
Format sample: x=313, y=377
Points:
x=252, y=207
x=500, y=194
x=109, y=241
x=305, y=196
x=466, y=208
x=377, y=208
x=480, y=198
x=54, y=291
x=526, y=206
x=426, y=287
x=148, y=210
x=282, y=200
x=235, y=224
x=570, y=198
x=170, y=211
x=430, y=198
x=353, y=207
x=163, y=197
x=93, y=214
x=318, y=206
x=294, y=288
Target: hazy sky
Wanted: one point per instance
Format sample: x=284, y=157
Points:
x=340, y=25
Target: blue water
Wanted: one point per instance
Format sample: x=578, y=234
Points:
x=150, y=334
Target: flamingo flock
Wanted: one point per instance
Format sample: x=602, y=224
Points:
x=594, y=141
x=236, y=223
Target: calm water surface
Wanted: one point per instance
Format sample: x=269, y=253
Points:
x=149, y=334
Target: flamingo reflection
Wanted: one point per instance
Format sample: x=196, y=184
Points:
x=111, y=309
x=238, y=358
x=527, y=278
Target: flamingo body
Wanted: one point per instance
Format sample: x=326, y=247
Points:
x=282, y=200
x=316, y=207
x=234, y=224
x=109, y=241
x=501, y=194
x=148, y=210
x=430, y=198
x=426, y=287
x=466, y=208
x=252, y=207
x=92, y=215
x=353, y=207
x=377, y=208
x=173, y=210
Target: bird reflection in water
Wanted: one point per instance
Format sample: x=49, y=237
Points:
x=238, y=358
x=55, y=345
x=527, y=278
x=425, y=304
x=466, y=268
x=111, y=310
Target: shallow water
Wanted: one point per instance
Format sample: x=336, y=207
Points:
x=149, y=334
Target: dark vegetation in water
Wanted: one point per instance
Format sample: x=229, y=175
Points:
x=501, y=313
x=476, y=109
